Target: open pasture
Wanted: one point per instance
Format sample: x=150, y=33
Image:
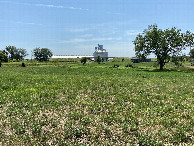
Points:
x=95, y=104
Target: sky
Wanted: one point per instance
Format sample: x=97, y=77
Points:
x=76, y=27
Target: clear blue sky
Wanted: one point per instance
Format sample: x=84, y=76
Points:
x=76, y=26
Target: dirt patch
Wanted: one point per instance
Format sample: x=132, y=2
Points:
x=190, y=66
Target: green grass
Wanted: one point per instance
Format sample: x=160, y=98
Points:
x=64, y=104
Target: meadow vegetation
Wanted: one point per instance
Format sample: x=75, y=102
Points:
x=66, y=103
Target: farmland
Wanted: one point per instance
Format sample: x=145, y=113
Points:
x=63, y=104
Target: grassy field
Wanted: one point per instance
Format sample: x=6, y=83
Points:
x=64, y=104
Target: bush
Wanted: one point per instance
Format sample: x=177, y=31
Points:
x=102, y=59
x=116, y=65
x=0, y=63
x=23, y=64
x=99, y=59
x=83, y=60
x=129, y=65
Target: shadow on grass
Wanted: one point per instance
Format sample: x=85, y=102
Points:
x=180, y=69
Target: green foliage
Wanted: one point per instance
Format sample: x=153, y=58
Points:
x=129, y=65
x=3, y=56
x=23, y=64
x=162, y=43
x=189, y=39
x=191, y=53
x=19, y=128
x=141, y=57
x=99, y=59
x=83, y=60
x=116, y=65
x=178, y=60
x=12, y=50
x=42, y=54
x=102, y=59
x=15, y=53
x=36, y=128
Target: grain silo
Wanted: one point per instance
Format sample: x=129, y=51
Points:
x=99, y=51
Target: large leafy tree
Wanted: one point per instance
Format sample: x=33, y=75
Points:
x=189, y=39
x=11, y=50
x=15, y=53
x=42, y=54
x=191, y=53
x=165, y=44
x=22, y=53
x=3, y=56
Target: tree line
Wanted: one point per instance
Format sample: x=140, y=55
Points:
x=167, y=45
x=13, y=53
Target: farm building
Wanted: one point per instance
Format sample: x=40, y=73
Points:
x=71, y=56
x=99, y=51
x=136, y=60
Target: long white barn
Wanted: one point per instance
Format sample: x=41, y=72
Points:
x=71, y=56
x=99, y=51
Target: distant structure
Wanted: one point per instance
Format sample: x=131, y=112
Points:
x=99, y=51
x=71, y=56
x=136, y=60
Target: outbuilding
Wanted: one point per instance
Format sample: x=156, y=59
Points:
x=135, y=60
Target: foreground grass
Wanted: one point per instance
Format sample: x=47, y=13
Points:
x=62, y=105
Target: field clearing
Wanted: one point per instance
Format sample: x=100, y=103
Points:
x=95, y=104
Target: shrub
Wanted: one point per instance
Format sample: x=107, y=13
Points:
x=99, y=59
x=3, y=56
x=23, y=64
x=116, y=65
x=129, y=65
x=102, y=59
x=83, y=60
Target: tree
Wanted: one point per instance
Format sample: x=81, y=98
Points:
x=102, y=59
x=15, y=53
x=3, y=56
x=99, y=59
x=192, y=53
x=83, y=60
x=11, y=50
x=22, y=53
x=42, y=54
x=189, y=39
x=165, y=44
